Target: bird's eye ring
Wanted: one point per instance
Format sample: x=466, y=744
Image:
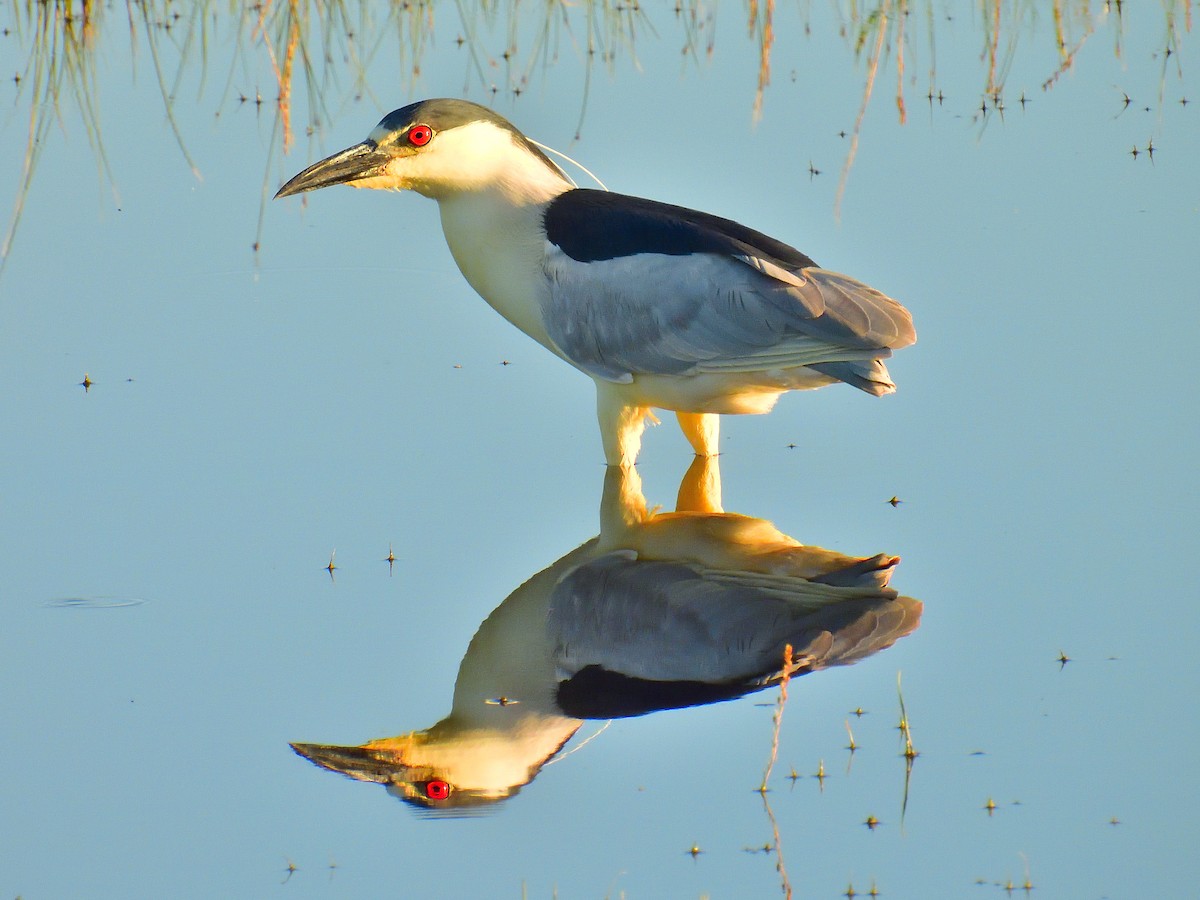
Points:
x=437, y=790
x=420, y=135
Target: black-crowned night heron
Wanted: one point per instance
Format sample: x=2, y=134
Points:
x=664, y=307
x=661, y=610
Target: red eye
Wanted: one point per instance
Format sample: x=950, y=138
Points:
x=437, y=790
x=420, y=135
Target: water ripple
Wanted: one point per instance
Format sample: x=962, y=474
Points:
x=93, y=602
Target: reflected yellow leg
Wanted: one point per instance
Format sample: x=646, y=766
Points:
x=622, y=507
x=700, y=489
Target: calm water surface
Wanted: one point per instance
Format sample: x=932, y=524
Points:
x=168, y=623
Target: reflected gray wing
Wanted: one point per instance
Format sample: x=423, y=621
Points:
x=670, y=621
x=638, y=287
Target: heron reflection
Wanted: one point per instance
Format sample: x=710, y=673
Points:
x=661, y=610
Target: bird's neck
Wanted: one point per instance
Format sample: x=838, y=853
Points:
x=498, y=239
x=504, y=723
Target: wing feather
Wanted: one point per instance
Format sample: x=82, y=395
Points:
x=662, y=620
x=675, y=315
x=645, y=288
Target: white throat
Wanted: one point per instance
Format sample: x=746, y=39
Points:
x=495, y=228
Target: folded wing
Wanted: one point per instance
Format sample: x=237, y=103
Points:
x=639, y=287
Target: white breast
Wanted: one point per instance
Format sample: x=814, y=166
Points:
x=500, y=249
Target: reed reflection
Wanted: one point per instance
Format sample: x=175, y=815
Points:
x=661, y=610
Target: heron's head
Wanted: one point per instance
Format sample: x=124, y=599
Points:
x=439, y=148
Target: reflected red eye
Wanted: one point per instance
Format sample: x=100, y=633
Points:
x=437, y=790
x=420, y=135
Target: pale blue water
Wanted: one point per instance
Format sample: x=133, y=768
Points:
x=167, y=625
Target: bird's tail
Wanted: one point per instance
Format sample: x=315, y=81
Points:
x=874, y=572
x=869, y=375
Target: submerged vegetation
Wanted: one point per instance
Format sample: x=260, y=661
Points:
x=315, y=55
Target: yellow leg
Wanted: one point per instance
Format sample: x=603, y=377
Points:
x=701, y=430
x=621, y=425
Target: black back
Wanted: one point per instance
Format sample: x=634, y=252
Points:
x=591, y=225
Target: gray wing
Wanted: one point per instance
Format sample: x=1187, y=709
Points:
x=671, y=315
x=668, y=621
